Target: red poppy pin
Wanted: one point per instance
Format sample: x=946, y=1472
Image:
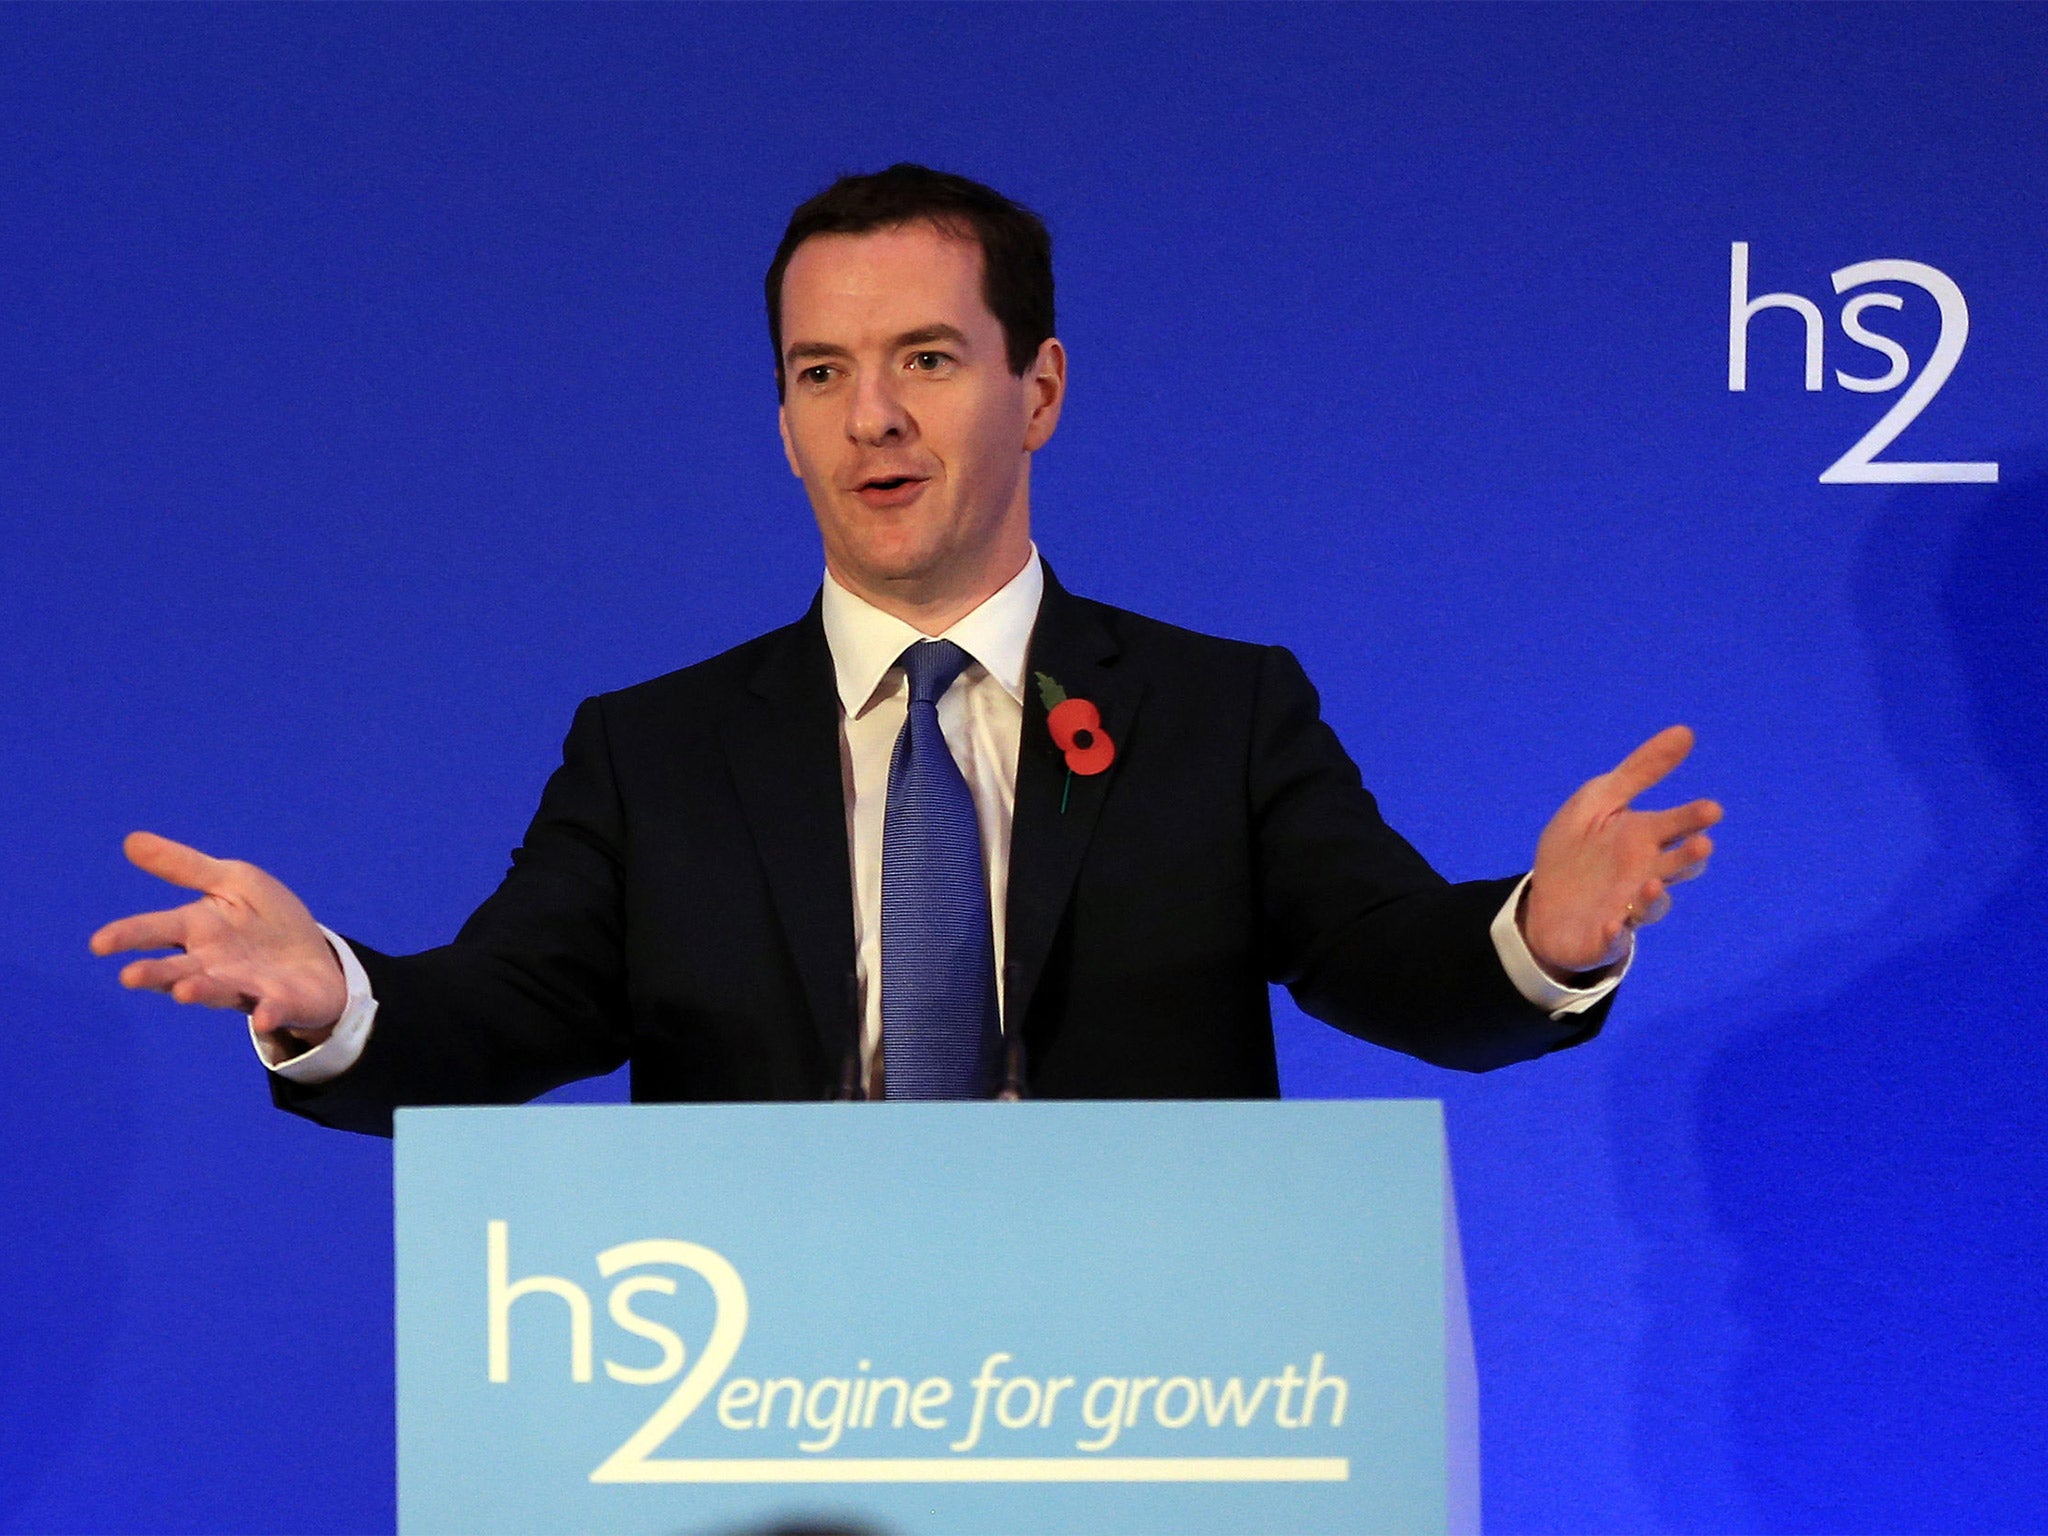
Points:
x=1075, y=726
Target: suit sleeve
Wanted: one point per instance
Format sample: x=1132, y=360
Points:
x=1356, y=924
x=529, y=996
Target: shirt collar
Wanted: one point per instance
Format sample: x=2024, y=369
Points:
x=866, y=642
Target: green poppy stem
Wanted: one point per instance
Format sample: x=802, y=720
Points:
x=1066, y=789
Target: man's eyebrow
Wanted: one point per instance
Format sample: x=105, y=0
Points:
x=924, y=335
x=799, y=350
x=930, y=333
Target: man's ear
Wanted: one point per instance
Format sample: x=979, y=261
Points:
x=788, y=447
x=1045, y=388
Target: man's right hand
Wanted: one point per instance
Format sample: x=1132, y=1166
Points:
x=247, y=943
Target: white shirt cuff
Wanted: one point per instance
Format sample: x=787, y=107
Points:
x=1532, y=981
x=339, y=1051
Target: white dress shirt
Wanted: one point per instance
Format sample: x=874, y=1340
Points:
x=982, y=718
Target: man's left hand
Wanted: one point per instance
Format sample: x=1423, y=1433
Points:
x=1603, y=869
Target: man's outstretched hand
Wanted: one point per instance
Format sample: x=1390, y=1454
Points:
x=1603, y=869
x=246, y=943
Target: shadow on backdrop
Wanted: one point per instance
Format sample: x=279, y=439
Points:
x=1846, y=1331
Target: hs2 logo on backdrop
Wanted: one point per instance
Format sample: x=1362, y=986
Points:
x=1861, y=464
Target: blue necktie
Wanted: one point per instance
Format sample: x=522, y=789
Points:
x=941, y=1037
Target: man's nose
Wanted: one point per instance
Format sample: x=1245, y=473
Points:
x=877, y=415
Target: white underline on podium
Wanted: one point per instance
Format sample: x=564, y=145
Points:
x=996, y=1469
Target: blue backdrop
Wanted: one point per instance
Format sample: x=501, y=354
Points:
x=377, y=383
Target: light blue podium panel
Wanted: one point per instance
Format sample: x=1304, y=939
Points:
x=932, y=1320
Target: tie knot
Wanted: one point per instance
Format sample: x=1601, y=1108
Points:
x=931, y=666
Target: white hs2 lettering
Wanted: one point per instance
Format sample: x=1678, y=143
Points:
x=1861, y=464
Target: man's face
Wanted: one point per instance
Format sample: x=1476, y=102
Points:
x=901, y=416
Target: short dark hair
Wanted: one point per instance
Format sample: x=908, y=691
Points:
x=1016, y=248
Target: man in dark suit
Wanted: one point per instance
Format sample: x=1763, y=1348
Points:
x=954, y=832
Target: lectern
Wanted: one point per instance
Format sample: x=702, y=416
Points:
x=932, y=1320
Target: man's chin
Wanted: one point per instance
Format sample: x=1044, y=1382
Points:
x=912, y=563
x=892, y=566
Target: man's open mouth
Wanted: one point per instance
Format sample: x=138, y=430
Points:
x=889, y=492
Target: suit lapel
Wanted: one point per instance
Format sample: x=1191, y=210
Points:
x=1072, y=645
x=783, y=746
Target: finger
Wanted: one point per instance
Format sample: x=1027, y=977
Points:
x=158, y=975
x=1649, y=906
x=271, y=1017
x=145, y=930
x=1685, y=862
x=171, y=861
x=1681, y=821
x=1614, y=941
x=1650, y=762
x=212, y=992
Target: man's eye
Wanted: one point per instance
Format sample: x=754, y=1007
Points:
x=929, y=362
x=817, y=373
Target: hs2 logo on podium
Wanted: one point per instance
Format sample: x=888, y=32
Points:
x=1861, y=464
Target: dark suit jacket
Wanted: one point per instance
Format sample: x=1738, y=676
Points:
x=683, y=898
